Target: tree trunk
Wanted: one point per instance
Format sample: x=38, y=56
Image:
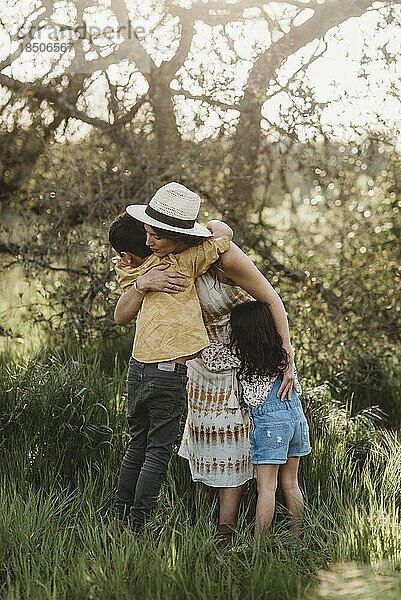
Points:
x=165, y=126
x=246, y=143
x=248, y=133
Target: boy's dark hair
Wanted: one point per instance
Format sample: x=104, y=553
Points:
x=126, y=234
x=256, y=341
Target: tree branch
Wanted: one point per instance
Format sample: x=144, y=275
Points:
x=248, y=132
x=64, y=104
x=131, y=113
x=204, y=98
x=221, y=12
x=60, y=100
x=16, y=251
x=17, y=53
x=132, y=48
x=169, y=68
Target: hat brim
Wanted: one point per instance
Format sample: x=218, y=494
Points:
x=138, y=212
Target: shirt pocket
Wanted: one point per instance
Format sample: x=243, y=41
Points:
x=275, y=435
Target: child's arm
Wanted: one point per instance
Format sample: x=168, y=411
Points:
x=127, y=306
x=156, y=279
x=219, y=228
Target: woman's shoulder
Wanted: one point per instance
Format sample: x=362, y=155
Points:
x=217, y=299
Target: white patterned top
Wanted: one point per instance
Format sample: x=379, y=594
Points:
x=219, y=356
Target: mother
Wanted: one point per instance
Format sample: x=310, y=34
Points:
x=214, y=442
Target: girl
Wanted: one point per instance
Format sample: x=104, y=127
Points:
x=279, y=433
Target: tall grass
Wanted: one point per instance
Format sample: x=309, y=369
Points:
x=62, y=436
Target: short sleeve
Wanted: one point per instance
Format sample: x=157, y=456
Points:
x=208, y=252
x=126, y=275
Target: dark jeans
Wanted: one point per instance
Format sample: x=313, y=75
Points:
x=156, y=399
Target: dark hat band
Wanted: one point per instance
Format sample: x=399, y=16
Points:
x=167, y=220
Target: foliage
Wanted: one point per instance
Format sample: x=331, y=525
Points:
x=58, y=408
x=323, y=226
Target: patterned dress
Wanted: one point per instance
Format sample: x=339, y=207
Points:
x=215, y=440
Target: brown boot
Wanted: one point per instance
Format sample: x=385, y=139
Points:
x=224, y=535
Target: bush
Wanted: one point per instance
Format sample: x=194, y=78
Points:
x=62, y=411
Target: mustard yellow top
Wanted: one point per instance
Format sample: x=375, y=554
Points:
x=168, y=325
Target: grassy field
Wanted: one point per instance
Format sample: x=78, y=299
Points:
x=62, y=424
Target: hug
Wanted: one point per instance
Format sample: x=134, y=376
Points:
x=211, y=337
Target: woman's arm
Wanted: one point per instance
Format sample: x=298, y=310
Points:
x=238, y=267
x=157, y=280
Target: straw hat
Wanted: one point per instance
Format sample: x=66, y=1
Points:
x=173, y=207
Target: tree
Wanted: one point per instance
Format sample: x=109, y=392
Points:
x=62, y=93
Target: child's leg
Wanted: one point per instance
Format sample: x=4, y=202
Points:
x=138, y=422
x=267, y=485
x=229, y=498
x=165, y=397
x=161, y=437
x=132, y=463
x=292, y=493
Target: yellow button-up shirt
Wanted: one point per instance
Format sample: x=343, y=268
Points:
x=171, y=325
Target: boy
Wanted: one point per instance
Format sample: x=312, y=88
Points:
x=169, y=331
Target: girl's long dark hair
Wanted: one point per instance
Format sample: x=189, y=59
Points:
x=256, y=341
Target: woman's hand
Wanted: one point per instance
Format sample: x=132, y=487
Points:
x=289, y=379
x=159, y=279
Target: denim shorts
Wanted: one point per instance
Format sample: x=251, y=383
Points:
x=279, y=430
